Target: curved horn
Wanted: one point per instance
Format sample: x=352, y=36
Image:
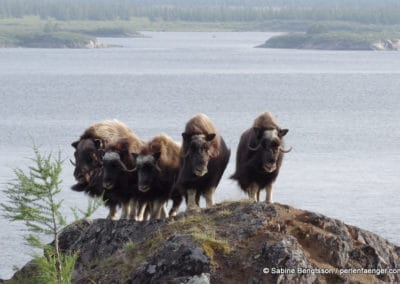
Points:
x=125, y=168
x=185, y=154
x=158, y=167
x=285, y=151
x=253, y=148
x=74, y=164
x=114, y=156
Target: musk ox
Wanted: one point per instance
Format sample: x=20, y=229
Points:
x=204, y=157
x=259, y=156
x=157, y=169
x=119, y=179
x=88, y=154
x=89, y=151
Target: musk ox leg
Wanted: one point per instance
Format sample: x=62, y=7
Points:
x=113, y=212
x=176, y=202
x=268, y=197
x=198, y=195
x=147, y=212
x=133, y=204
x=126, y=210
x=156, y=210
x=191, y=200
x=209, y=196
x=253, y=192
x=164, y=211
x=141, y=211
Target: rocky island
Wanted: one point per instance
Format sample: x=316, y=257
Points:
x=53, y=40
x=237, y=242
x=320, y=37
x=33, y=32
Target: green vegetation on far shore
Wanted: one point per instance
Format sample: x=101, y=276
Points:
x=320, y=31
x=36, y=32
x=33, y=31
x=338, y=37
x=349, y=24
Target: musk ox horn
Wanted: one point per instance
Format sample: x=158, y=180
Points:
x=115, y=157
x=185, y=154
x=73, y=163
x=125, y=168
x=158, y=168
x=285, y=151
x=254, y=148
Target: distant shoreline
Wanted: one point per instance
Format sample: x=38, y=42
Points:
x=334, y=41
x=35, y=32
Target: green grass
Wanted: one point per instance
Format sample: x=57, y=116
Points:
x=338, y=40
x=211, y=245
x=130, y=248
x=336, y=35
x=33, y=32
x=199, y=227
x=36, y=32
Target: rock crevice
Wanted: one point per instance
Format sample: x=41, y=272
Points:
x=237, y=242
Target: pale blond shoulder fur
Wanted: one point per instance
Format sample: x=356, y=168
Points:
x=168, y=148
x=109, y=131
x=202, y=124
x=266, y=121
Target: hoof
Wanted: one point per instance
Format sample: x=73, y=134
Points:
x=113, y=218
x=193, y=209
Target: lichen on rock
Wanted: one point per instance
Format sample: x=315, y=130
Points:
x=232, y=242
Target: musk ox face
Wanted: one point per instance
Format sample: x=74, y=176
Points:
x=88, y=156
x=197, y=153
x=269, y=146
x=114, y=166
x=148, y=169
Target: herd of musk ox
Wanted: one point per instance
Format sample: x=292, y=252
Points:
x=113, y=163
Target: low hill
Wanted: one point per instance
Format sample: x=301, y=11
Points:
x=339, y=36
x=333, y=41
x=239, y=242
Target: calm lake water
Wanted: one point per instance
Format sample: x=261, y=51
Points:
x=342, y=109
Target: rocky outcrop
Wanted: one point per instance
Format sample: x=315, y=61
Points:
x=387, y=44
x=95, y=44
x=237, y=242
x=333, y=41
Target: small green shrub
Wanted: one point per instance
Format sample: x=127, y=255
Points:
x=32, y=199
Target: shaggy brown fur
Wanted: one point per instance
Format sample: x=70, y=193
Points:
x=108, y=131
x=266, y=121
x=168, y=148
x=201, y=124
x=130, y=143
x=259, y=157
